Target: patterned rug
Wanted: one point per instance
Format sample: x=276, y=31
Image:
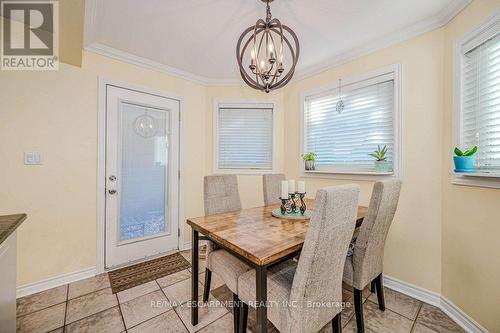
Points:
x=131, y=276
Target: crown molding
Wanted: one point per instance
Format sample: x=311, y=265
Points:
x=440, y=19
x=434, y=22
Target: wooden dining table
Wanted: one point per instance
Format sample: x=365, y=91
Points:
x=257, y=238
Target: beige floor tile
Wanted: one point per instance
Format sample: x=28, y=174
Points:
x=222, y=325
x=419, y=328
x=144, y=308
x=207, y=314
x=167, y=322
x=89, y=285
x=42, y=321
x=42, y=300
x=174, y=278
x=58, y=330
x=397, y=302
x=351, y=327
x=109, y=321
x=216, y=280
x=252, y=318
x=181, y=291
x=433, y=318
x=143, y=289
x=387, y=321
x=90, y=304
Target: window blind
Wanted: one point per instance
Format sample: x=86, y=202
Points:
x=480, y=118
x=245, y=138
x=344, y=140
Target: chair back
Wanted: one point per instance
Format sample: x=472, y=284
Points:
x=368, y=253
x=318, y=277
x=221, y=194
x=272, y=188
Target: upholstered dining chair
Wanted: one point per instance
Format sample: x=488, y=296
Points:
x=221, y=195
x=272, y=187
x=364, y=266
x=317, y=276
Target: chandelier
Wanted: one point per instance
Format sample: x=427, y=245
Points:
x=266, y=57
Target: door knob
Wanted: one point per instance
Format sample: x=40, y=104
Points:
x=112, y=178
x=112, y=192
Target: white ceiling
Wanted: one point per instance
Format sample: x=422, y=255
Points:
x=197, y=38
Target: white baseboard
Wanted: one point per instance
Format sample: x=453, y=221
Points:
x=460, y=317
x=187, y=246
x=56, y=281
x=433, y=298
x=424, y=295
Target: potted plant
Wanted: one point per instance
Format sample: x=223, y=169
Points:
x=381, y=163
x=465, y=161
x=309, y=160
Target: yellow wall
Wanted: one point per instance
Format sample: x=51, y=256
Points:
x=56, y=113
x=471, y=220
x=443, y=238
x=413, y=250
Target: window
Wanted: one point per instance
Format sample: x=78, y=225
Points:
x=370, y=118
x=477, y=97
x=244, y=137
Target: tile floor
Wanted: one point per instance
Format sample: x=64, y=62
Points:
x=160, y=306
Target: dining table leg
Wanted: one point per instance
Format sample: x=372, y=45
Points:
x=261, y=304
x=194, y=277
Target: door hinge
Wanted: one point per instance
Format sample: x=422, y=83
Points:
x=178, y=232
x=179, y=174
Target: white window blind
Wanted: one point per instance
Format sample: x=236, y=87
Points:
x=343, y=141
x=245, y=138
x=480, y=111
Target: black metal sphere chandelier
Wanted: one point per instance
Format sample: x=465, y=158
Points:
x=264, y=49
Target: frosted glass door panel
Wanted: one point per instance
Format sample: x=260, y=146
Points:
x=143, y=151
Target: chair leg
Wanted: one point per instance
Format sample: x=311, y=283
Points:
x=379, y=284
x=206, y=287
x=236, y=313
x=243, y=317
x=372, y=286
x=337, y=324
x=358, y=309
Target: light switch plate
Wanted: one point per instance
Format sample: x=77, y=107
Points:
x=33, y=158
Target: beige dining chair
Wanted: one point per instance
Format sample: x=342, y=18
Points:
x=221, y=195
x=317, y=277
x=272, y=188
x=365, y=265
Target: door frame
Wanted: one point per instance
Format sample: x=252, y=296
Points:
x=101, y=163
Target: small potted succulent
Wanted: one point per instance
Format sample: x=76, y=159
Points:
x=309, y=160
x=381, y=163
x=465, y=161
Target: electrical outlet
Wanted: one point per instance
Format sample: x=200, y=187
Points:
x=33, y=158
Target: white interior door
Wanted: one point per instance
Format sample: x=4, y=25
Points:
x=142, y=183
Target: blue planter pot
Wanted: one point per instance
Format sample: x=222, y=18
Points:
x=465, y=163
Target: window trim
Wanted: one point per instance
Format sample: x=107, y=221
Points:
x=264, y=103
x=394, y=70
x=468, y=41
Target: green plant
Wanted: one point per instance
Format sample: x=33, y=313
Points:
x=468, y=152
x=379, y=154
x=311, y=156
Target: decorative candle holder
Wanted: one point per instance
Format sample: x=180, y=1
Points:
x=289, y=205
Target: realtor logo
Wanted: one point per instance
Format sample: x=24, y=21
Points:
x=29, y=36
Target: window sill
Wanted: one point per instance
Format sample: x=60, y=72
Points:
x=479, y=179
x=352, y=175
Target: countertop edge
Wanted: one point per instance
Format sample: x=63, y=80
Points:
x=13, y=227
